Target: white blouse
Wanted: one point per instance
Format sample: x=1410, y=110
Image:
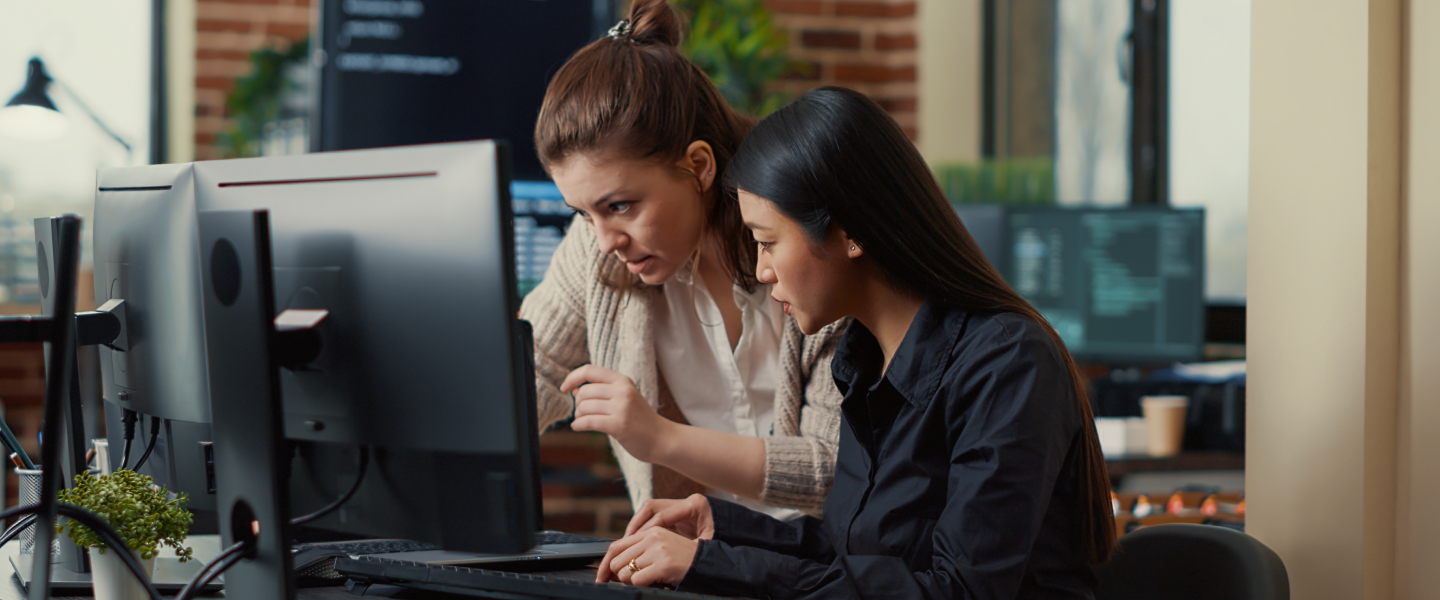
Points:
x=715, y=388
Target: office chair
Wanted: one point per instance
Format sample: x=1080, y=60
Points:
x=1192, y=562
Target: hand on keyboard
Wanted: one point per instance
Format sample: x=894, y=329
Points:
x=656, y=556
x=690, y=517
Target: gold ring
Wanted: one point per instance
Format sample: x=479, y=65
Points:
x=634, y=568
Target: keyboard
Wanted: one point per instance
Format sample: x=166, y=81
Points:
x=314, y=563
x=366, y=546
x=559, y=537
x=366, y=570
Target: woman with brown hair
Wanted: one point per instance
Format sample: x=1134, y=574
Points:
x=650, y=314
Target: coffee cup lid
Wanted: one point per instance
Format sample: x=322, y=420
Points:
x=1165, y=401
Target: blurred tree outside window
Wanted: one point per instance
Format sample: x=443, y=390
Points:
x=270, y=106
x=737, y=43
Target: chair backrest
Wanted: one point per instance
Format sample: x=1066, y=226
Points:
x=1192, y=562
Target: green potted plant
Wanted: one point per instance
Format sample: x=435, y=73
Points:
x=142, y=513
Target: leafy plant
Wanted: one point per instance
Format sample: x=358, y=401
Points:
x=738, y=45
x=1007, y=181
x=141, y=512
x=257, y=98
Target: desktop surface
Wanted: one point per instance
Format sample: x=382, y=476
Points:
x=11, y=589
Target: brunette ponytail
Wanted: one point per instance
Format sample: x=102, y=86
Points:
x=654, y=22
x=633, y=93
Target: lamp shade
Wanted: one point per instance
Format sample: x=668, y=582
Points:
x=34, y=92
x=31, y=115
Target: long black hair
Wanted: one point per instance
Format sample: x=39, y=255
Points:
x=834, y=158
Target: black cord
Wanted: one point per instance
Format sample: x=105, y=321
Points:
x=128, y=420
x=96, y=523
x=111, y=538
x=15, y=529
x=213, y=569
x=154, y=435
x=359, y=477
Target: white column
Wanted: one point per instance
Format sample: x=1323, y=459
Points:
x=1324, y=291
x=180, y=79
x=950, y=46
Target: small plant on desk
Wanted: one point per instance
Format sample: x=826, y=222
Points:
x=142, y=513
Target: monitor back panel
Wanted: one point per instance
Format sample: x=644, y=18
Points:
x=146, y=252
x=409, y=249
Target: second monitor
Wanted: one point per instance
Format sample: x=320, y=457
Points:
x=409, y=251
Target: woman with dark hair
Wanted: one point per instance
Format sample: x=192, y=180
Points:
x=649, y=324
x=968, y=466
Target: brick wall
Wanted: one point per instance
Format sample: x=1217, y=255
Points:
x=868, y=46
x=227, y=31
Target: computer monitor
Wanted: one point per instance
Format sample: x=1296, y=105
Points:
x=409, y=250
x=1122, y=286
x=146, y=253
x=986, y=224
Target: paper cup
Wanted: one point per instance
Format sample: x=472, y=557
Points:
x=1165, y=423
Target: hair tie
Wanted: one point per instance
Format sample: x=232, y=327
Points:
x=621, y=30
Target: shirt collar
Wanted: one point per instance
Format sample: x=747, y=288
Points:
x=919, y=362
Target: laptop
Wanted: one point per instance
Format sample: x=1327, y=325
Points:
x=554, y=549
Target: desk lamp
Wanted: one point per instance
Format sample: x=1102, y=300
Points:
x=31, y=115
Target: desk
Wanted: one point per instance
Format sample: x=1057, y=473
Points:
x=208, y=547
x=1185, y=461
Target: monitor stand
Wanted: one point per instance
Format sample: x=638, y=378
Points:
x=251, y=496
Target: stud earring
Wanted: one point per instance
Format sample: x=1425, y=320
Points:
x=852, y=247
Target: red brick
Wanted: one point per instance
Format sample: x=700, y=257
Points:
x=911, y=133
x=609, y=488
x=618, y=522
x=798, y=7
x=874, y=9
x=830, y=38
x=575, y=522
x=290, y=31
x=205, y=139
x=240, y=1
x=222, y=55
x=904, y=41
x=897, y=105
x=219, y=25
x=873, y=73
x=802, y=70
x=572, y=456
x=219, y=83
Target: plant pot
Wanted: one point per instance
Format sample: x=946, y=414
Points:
x=112, y=580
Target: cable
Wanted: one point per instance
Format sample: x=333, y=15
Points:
x=97, y=524
x=111, y=538
x=15, y=529
x=359, y=477
x=128, y=420
x=154, y=435
x=213, y=569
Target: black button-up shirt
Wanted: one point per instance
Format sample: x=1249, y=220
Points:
x=957, y=477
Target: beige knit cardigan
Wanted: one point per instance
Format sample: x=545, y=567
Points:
x=579, y=320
